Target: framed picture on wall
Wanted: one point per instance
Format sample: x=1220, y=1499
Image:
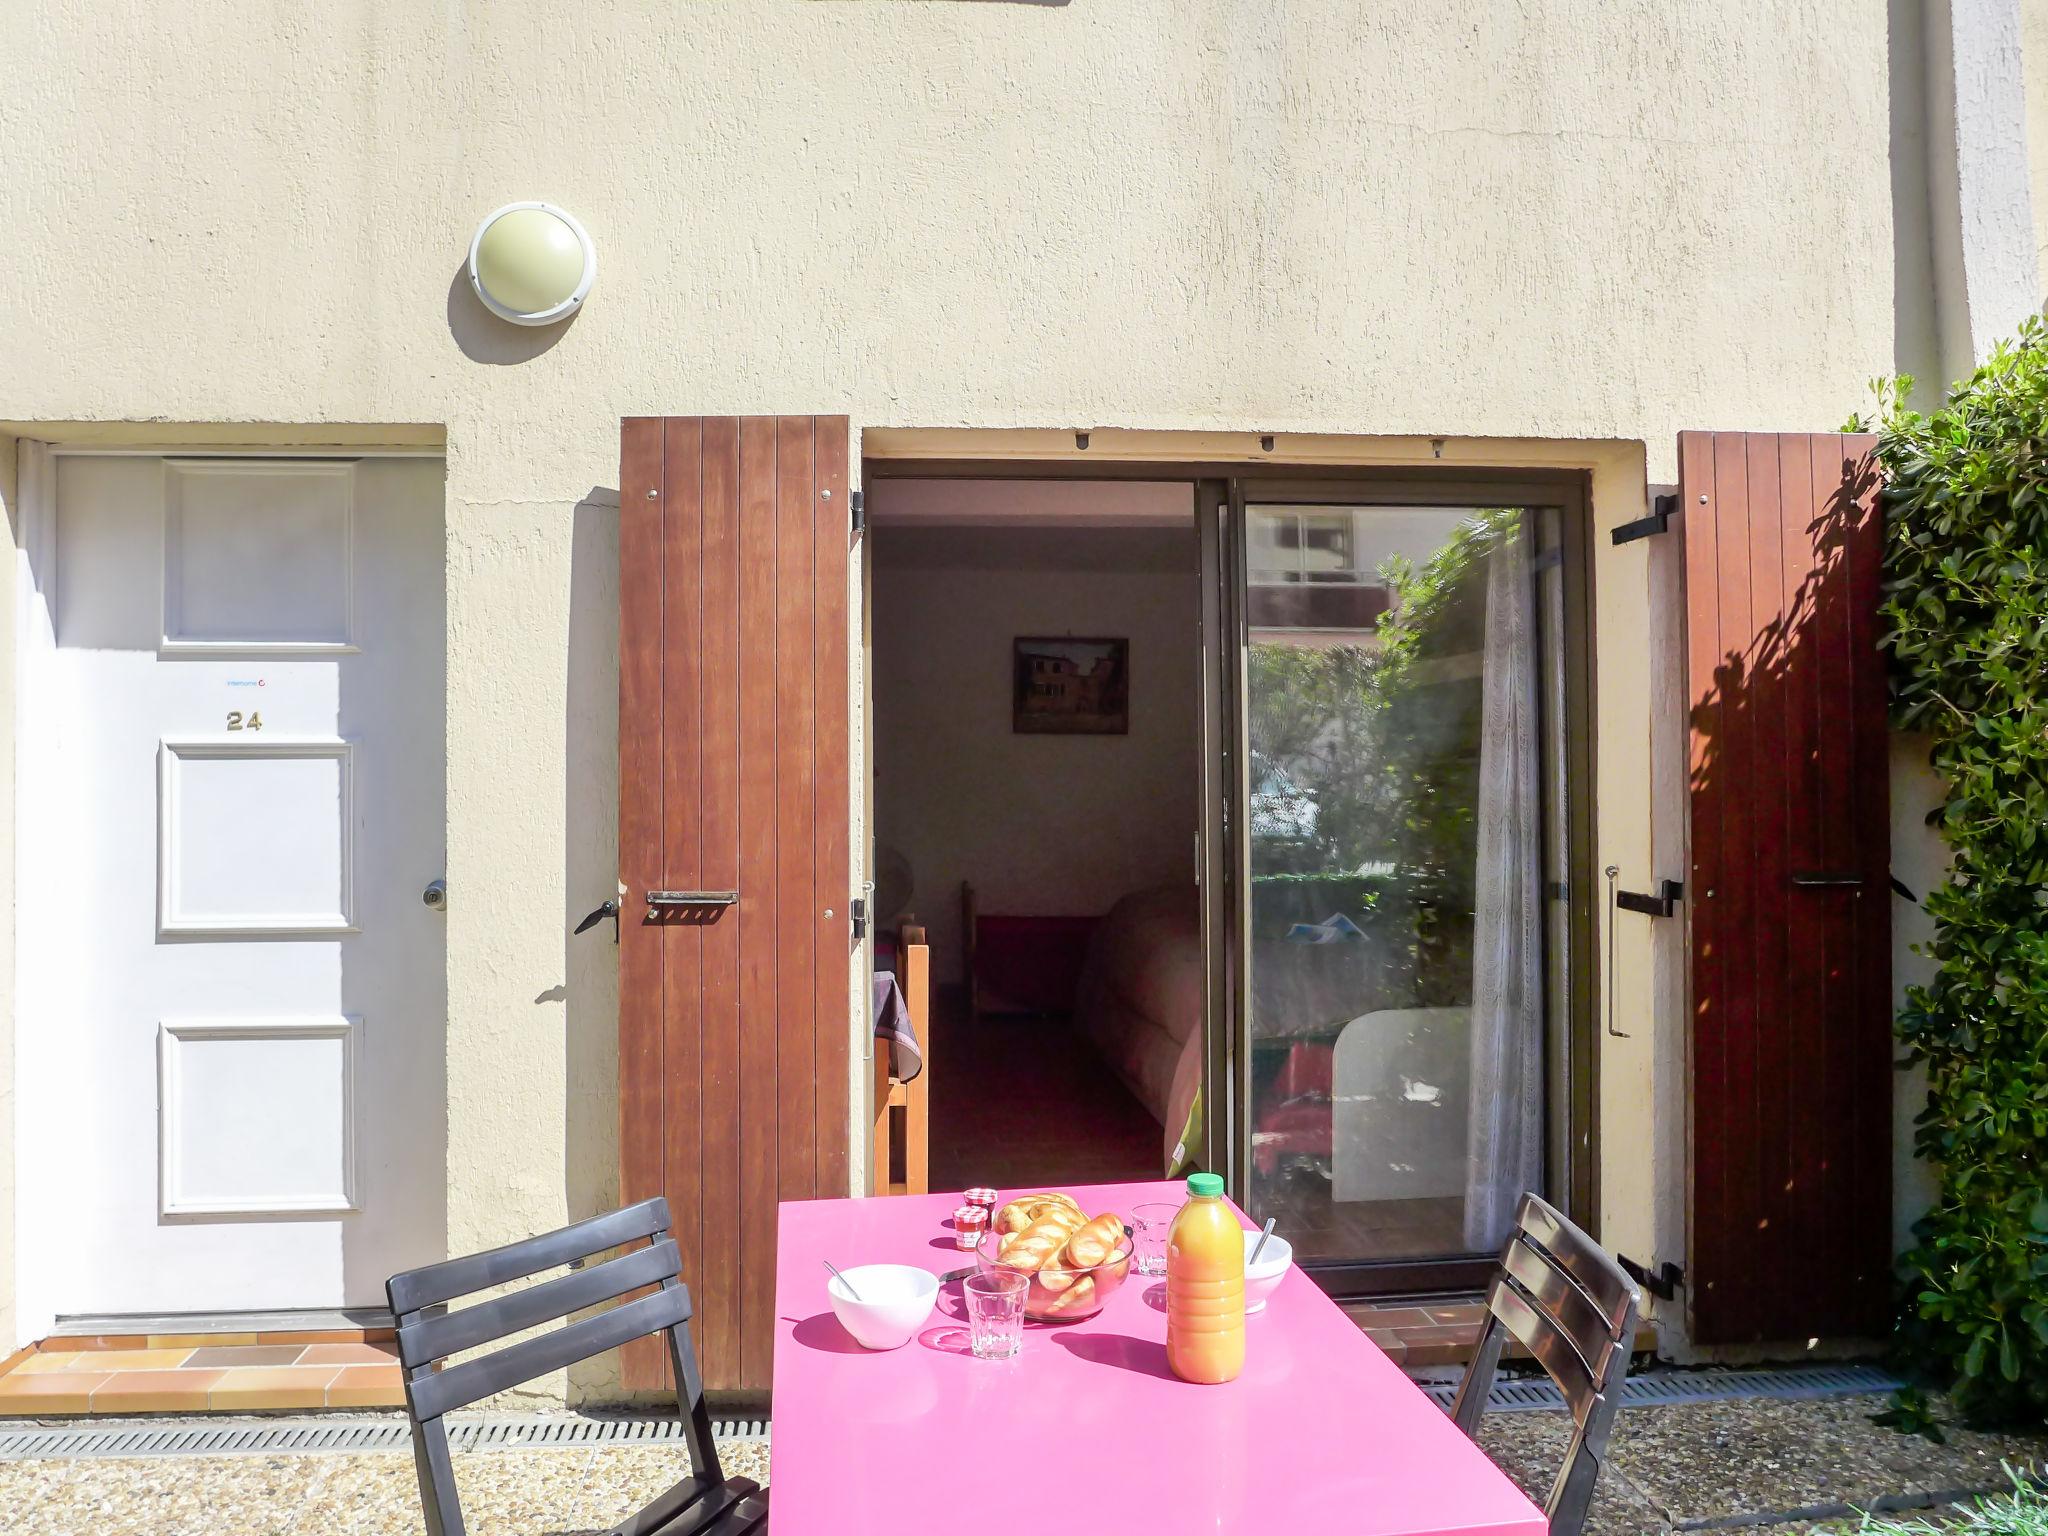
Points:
x=1070, y=687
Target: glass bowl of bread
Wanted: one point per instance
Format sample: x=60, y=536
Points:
x=1075, y=1262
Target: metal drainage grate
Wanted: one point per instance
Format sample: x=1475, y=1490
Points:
x=269, y=1437
x=1663, y=1389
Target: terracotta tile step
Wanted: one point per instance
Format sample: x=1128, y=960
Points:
x=1440, y=1332
x=273, y=1372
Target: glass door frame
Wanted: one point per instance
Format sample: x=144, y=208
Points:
x=1572, y=1077
x=1220, y=488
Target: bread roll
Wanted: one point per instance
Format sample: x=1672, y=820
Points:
x=1053, y=1277
x=1026, y=1209
x=1036, y=1246
x=1073, y=1299
x=1094, y=1243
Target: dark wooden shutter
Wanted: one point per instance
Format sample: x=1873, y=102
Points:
x=733, y=743
x=1789, y=1213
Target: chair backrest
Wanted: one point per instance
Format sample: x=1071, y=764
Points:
x=1575, y=1310
x=428, y=1334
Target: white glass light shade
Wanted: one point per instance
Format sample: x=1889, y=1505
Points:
x=531, y=263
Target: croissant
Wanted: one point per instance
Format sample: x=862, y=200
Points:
x=1096, y=1242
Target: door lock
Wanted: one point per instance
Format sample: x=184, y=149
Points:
x=436, y=895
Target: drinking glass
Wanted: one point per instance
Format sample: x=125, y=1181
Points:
x=1153, y=1221
x=995, y=1313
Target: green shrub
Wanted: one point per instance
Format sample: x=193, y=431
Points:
x=1966, y=623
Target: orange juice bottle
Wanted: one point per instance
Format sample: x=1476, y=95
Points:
x=1205, y=1286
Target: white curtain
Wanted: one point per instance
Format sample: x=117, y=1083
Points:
x=1504, y=1134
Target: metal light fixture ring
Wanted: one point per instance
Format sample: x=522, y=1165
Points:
x=531, y=263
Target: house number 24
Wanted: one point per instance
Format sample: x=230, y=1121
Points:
x=237, y=722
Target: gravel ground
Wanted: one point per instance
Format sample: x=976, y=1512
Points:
x=533, y=1493
x=1757, y=1461
x=1792, y=1466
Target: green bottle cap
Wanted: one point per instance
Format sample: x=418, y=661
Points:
x=1205, y=1184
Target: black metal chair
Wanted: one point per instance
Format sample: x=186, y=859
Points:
x=706, y=1503
x=1575, y=1310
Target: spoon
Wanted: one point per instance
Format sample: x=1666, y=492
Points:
x=842, y=1280
x=1260, y=1246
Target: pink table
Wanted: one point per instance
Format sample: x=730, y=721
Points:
x=1322, y=1432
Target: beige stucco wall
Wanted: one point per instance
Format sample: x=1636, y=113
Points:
x=2034, y=72
x=1573, y=220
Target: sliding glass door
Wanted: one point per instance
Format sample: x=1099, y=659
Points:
x=1401, y=866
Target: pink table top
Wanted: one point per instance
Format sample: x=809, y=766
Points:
x=1322, y=1432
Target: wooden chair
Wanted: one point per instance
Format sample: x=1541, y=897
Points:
x=1574, y=1309
x=706, y=1503
x=903, y=1110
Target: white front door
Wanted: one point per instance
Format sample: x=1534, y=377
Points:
x=232, y=992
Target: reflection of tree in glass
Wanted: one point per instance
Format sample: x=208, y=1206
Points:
x=1365, y=758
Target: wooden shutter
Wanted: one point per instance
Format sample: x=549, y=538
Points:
x=733, y=742
x=1789, y=1213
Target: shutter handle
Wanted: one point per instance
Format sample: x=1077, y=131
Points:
x=609, y=909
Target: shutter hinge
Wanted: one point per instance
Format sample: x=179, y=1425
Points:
x=857, y=504
x=1659, y=521
x=1669, y=894
x=1662, y=1281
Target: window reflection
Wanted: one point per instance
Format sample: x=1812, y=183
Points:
x=1397, y=847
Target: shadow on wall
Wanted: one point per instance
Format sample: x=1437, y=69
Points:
x=1916, y=344
x=590, y=963
x=484, y=338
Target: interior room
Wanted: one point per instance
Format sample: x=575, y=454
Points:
x=1035, y=665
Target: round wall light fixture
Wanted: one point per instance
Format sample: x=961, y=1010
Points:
x=532, y=263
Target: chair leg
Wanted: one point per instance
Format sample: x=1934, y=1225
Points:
x=885, y=1116
x=1571, y=1496
x=917, y=1141
x=1470, y=1402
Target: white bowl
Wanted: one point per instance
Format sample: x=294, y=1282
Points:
x=895, y=1299
x=1260, y=1278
